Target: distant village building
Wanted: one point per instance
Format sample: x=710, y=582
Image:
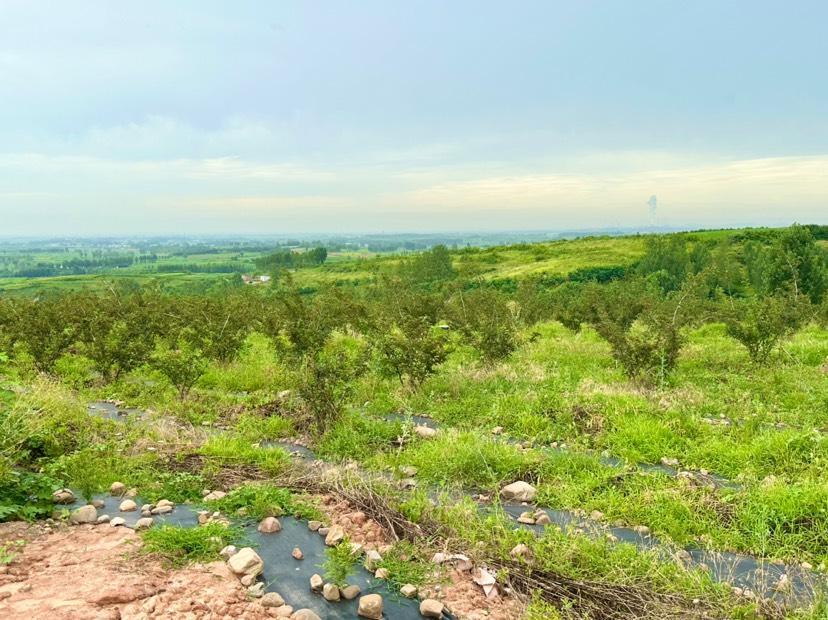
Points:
x=255, y=279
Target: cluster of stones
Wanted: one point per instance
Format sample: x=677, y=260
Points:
x=89, y=514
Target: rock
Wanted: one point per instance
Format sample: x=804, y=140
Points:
x=297, y=554
x=642, y=529
x=128, y=506
x=270, y=525
x=98, y=503
x=382, y=573
x=335, y=536
x=133, y=492
x=409, y=591
x=669, y=462
x=527, y=518
x=165, y=502
x=409, y=471
x=117, y=521
x=305, y=614
x=228, y=552
x=272, y=599
x=407, y=483
x=372, y=558
x=316, y=583
x=117, y=489
x=63, y=496
x=426, y=432
x=497, y=430
x=285, y=611
x=541, y=518
x=314, y=526
x=784, y=583
x=431, y=608
x=248, y=580
x=322, y=531
x=349, y=593
x=84, y=514
x=146, y=508
x=102, y=519
x=146, y=514
x=162, y=510
x=144, y=523
x=521, y=551
x=257, y=590
x=370, y=606
x=214, y=495
x=246, y=562
x=596, y=515
x=519, y=491
x=330, y=592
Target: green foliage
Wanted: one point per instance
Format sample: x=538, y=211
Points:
x=488, y=320
x=239, y=450
x=25, y=495
x=288, y=259
x=761, y=324
x=405, y=566
x=74, y=370
x=666, y=261
x=411, y=350
x=429, y=267
x=182, y=363
x=340, y=563
x=183, y=545
x=178, y=487
x=88, y=470
x=260, y=500
x=795, y=263
x=357, y=436
x=327, y=376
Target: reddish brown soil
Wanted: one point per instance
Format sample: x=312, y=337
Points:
x=93, y=572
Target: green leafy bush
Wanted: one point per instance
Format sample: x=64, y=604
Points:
x=340, y=563
x=25, y=495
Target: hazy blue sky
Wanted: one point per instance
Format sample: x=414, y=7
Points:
x=200, y=116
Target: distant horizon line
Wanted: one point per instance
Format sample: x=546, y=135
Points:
x=329, y=235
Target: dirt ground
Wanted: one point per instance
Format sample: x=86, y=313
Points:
x=93, y=572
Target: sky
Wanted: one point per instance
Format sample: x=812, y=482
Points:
x=254, y=117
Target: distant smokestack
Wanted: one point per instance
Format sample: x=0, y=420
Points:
x=653, y=204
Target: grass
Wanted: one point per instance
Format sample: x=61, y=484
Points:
x=340, y=563
x=260, y=500
x=184, y=545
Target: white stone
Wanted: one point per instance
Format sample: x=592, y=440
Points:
x=84, y=514
x=370, y=606
x=316, y=583
x=426, y=432
x=519, y=491
x=409, y=590
x=270, y=525
x=144, y=523
x=330, y=592
x=246, y=562
x=117, y=521
x=335, y=536
x=431, y=608
x=272, y=599
x=228, y=552
x=128, y=506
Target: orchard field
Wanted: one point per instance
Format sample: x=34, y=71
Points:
x=608, y=427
